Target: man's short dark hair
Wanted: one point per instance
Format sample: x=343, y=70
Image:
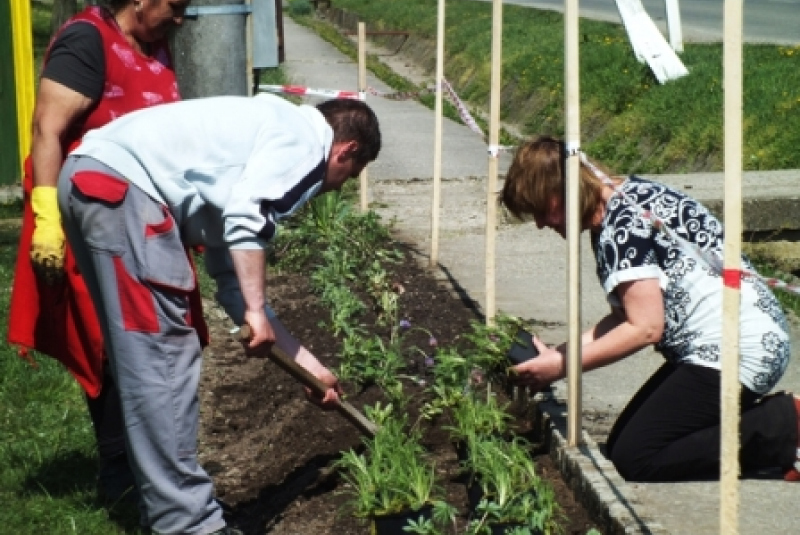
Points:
x=113, y=5
x=353, y=120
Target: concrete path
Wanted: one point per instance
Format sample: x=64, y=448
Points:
x=531, y=278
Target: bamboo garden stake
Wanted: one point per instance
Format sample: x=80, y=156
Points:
x=437, y=148
x=494, y=140
x=572, y=97
x=362, y=88
x=731, y=274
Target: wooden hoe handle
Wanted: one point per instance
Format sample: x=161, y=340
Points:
x=279, y=357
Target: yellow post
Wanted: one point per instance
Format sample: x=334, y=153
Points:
x=22, y=31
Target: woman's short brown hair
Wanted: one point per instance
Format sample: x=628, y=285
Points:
x=537, y=175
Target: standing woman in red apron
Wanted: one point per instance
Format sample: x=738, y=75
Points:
x=105, y=62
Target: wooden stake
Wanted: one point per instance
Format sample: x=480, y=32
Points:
x=731, y=388
x=437, y=148
x=248, y=38
x=572, y=97
x=494, y=141
x=362, y=87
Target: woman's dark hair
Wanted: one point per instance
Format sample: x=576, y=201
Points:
x=353, y=120
x=537, y=176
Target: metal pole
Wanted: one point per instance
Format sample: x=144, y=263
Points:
x=731, y=388
x=494, y=140
x=210, y=49
x=572, y=97
x=437, y=147
x=674, y=25
x=23, y=85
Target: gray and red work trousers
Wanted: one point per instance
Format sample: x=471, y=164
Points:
x=129, y=250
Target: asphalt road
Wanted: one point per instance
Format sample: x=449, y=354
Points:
x=765, y=21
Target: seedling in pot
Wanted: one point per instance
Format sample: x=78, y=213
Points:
x=523, y=349
x=392, y=476
x=510, y=492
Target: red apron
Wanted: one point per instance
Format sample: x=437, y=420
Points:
x=60, y=320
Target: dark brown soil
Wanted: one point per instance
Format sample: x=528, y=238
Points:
x=270, y=451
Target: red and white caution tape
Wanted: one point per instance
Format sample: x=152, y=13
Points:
x=461, y=108
x=308, y=91
x=730, y=277
x=401, y=95
x=337, y=93
x=463, y=112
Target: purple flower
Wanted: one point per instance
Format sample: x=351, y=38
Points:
x=429, y=362
x=432, y=342
x=477, y=377
x=405, y=324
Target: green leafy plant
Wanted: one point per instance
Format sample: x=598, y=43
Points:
x=512, y=492
x=392, y=475
x=474, y=418
x=490, y=344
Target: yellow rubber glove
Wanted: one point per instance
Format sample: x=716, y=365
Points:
x=47, y=247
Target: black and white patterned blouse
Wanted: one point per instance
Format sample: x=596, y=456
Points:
x=629, y=248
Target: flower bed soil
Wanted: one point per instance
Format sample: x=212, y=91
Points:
x=269, y=450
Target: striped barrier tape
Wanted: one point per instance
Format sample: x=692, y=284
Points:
x=401, y=95
x=731, y=278
x=308, y=91
x=337, y=93
x=461, y=108
x=463, y=112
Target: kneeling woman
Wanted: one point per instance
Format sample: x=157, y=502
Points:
x=661, y=292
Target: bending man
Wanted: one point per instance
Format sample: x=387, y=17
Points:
x=220, y=172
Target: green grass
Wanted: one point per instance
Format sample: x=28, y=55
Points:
x=47, y=457
x=628, y=120
x=40, y=20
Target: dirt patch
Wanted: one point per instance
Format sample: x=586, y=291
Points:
x=270, y=451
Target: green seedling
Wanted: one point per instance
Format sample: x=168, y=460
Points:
x=512, y=491
x=392, y=475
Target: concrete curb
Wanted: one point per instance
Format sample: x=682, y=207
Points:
x=594, y=480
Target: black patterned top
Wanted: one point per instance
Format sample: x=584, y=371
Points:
x=629, y=248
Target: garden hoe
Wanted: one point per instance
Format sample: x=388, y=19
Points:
x=279, y=357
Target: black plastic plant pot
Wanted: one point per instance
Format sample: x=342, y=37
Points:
x=474, y=494
x=508, y=527
x=394, y=523
x=462, y=450
x=522, y=349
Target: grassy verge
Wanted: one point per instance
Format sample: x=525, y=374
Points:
x=40, y=20
x=46, y=441
x=628, y=120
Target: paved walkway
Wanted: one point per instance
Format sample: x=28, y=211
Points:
x=531, y=275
